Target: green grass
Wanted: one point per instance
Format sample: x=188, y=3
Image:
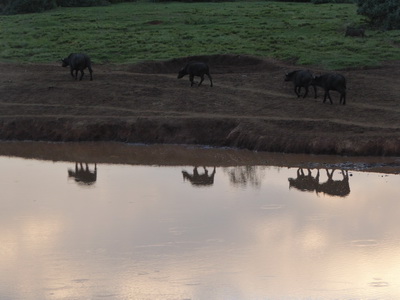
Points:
x=124, y=33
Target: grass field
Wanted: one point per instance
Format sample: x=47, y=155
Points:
x=130, y=32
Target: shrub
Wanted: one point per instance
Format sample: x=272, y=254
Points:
x=319, y=1
x=120, y=1
x=81, y=3
x=332, y=1
x=27, y=6
x=381, y=13
x=294, y=0
x=30, y=6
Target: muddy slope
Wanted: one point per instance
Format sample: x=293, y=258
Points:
x=249, y=107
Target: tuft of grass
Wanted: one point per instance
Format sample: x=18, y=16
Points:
x=136, y=31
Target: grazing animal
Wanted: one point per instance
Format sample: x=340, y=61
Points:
x=195, y=69
x=351, y=31
x=301, y=78
x=334, y=82
x=78, y=62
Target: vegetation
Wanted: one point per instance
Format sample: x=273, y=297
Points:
x=25, y=6
x=11, y=7
x=384, y=13
x=29, y=6
x=132, y=32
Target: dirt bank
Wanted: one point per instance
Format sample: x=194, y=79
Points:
x=180, y=155
x=249, y=107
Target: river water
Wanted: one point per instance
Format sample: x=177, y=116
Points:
x=133, y=222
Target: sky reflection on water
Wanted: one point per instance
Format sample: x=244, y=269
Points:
x=148, y=232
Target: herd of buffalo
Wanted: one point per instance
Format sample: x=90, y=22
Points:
x=300, y=78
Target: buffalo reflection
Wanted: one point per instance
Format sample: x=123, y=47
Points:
x=303, y=182
x=307, y=182
x=198, y=179
x=82, y=174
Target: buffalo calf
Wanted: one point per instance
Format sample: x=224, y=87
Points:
x=78, y=62
x=334, y=82
x=301, y=78
x=195, y=69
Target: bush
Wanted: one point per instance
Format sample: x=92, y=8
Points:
x=384, y=14
x=120, y=1
x=81, y=3
x=332, y=1
x=294, y=0
x=27, y=6
x=11, y=7
x=319, y=1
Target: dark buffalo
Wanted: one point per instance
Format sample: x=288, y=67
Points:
x=351, y=31
x=334, y=82
x=301, y=78
x=195, y=69
x=78, y=62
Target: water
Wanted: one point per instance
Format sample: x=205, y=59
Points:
x=145, y=231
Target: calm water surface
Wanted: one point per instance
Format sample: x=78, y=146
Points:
x=140, y=231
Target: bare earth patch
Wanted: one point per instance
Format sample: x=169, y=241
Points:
x=250, y=106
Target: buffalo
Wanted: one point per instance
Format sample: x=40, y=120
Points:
x=301, y=78
x=352, y=31
x=78, y=62
x=195, y=69
x=334, y=82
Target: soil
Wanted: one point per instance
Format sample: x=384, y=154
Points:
x=250, y=106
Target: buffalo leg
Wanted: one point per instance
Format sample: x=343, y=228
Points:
x=297, y=90
x=343, y=98
x=202, y=79
x=80, y=78
x=72, y=73
x=327, y=95
x=209, y=77
x=91, y=71
x=315, y=91
x=191, y=79
x=306, y=93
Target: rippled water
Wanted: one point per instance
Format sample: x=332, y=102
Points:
x=153, y=231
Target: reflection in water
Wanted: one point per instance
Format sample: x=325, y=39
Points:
x=305, y=183
x=333, y=187
x=198, y=179
x=245, y=175
x=309, y=183
x=141, y=233
x=83, y=175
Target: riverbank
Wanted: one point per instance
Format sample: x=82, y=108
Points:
x=249, y=107
x=184, y=155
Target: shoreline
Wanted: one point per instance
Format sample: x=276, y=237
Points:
x=249, y=107
x=231, y=133
x=189, y=155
